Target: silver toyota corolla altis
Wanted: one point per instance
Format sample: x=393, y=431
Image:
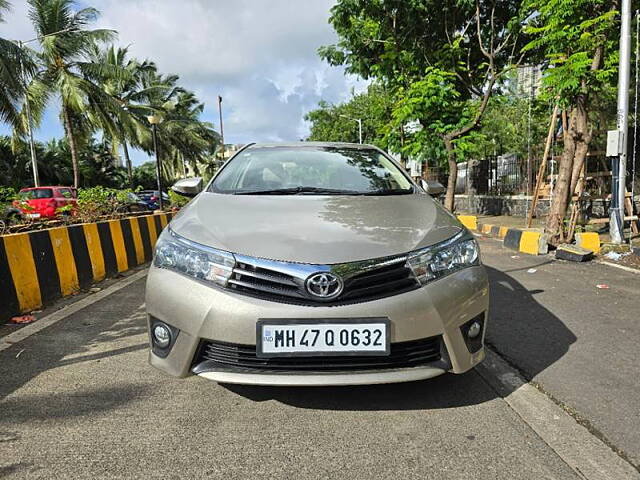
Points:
x=315, y=264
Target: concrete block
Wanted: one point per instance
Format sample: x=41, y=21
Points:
x=589, y=241
x=469, y=221
x=533, y=243
x=573, y=253
x=512, y=238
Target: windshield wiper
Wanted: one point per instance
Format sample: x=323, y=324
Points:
x=300, y=190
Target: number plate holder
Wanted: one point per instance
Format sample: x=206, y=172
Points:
x=265, y=347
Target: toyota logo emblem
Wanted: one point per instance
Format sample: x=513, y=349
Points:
x=324, y=285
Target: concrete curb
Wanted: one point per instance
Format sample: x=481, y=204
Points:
x=587, y=455
x=39, y=267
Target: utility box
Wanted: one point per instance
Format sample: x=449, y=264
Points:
x=614, y=143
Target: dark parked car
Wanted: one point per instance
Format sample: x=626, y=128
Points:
x=152, y=198
x=134, y=204
x=9, y=216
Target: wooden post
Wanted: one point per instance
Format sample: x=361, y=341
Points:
x=543, y=165
x=628, y=204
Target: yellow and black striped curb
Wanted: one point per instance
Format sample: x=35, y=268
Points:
x=525, y=241
x=39, y=267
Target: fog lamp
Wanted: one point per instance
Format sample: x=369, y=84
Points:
x=161, y=335
x=474, y=330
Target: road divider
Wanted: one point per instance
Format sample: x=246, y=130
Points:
x=39, y=267
x=528, y=241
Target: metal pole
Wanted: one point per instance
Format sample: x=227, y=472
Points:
x=158, y=169
x=221, y=128
x=360, y=130
x=32, y=146
x=619, y=188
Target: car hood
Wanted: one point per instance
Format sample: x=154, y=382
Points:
x=315, y=229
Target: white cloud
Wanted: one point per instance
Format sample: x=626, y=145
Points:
x=260, y=55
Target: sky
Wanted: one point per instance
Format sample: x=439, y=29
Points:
x=259, y=55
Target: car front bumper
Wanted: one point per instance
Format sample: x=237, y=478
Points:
x=200, y=312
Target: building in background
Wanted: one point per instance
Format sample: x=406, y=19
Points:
x=528, y=80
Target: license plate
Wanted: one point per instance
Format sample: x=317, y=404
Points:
x=307, y=338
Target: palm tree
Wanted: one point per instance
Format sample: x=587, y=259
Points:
x=184, y=137
x=133, y=95
x=15, y=64
x=69, y=71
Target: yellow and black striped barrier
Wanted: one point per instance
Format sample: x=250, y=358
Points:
x=532, y=242
x=39, y=267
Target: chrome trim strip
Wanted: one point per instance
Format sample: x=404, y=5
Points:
x=325, y=379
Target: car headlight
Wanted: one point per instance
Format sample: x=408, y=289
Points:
x=434, y=262
x=199, y=261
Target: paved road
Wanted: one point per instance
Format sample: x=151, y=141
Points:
x=581, y=343
x=80, y=401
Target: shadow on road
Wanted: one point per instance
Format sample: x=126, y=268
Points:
x=517, y=320
x=48, y=406
x=521, y=328
x=88, y=336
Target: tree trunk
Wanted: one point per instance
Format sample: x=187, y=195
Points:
x=72, y=145
x=449, y=199
x=583, y=138
x=125, y=149
x=560, y=199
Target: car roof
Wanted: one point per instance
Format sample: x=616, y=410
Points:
x=358, y=146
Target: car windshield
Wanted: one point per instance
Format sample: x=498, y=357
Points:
x=37, y=193
x=311, y=170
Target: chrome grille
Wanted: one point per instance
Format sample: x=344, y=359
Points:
x=285, y=282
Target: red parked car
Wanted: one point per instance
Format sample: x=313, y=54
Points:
x=43, y=202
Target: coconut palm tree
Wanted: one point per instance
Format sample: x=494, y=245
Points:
x=68, y=70
x=15, y=65
x=134, y=96
x=184, y=137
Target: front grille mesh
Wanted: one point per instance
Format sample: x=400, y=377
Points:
x=221, y=355
x=249, y=278
x=384, y=281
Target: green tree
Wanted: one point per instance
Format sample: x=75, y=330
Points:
x=403, y=42
x=144, y=176
x=14, y=61
x=68, y=70
x=334, y=123
x=577, y=41
x=132, y=95
x=182, y=136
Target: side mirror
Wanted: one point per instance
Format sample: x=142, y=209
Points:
x=188, y=187
x=432, y=187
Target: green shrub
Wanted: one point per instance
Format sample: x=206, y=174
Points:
x=178, y=200
x=98, y=202
x=7, y=195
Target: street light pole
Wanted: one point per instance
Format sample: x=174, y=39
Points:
x=618, y=185
x=359, y=120
x=154, y=120
x=221, y=129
